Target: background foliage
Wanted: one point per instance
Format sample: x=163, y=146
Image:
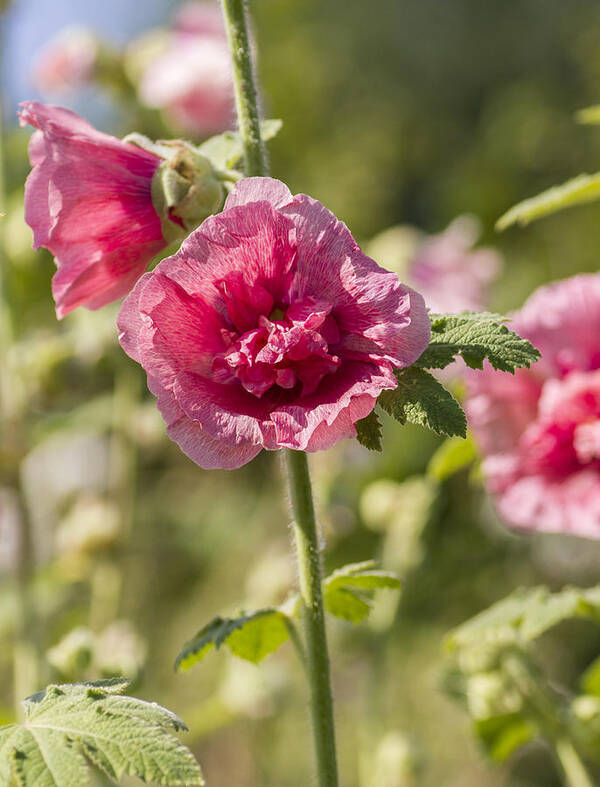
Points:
x=409, y=111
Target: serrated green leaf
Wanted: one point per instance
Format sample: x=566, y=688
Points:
x=421, y=399
x=368, y=432
x=226, y=149
x=476, y=337
x=503, y=735
x=589, y=115
x=68, y=725
x=250, y=636
x=584, y=188
x=526, y=614
x=344, y=590
x=453, y=455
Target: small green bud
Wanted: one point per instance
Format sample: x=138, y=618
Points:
x=185, y=190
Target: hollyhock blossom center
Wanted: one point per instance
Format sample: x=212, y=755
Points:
x=289, y=352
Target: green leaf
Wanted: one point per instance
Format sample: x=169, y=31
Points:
x=590, y=680
x=368, y=432
x=344, y=591
x=476, y=337
x=502, y=735
x=589, y=115
x=584, y=188
x=453, y=455
x=526, y=614
x=68, y=725
x=226, y=149
x=421, y=399
x=250, y=636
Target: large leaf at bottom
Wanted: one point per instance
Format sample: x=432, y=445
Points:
x=67, y=725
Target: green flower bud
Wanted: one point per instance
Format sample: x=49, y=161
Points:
x=186, y=188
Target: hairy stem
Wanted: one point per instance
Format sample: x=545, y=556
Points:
x=246, y=94
x=317, y=658
x=309, y=567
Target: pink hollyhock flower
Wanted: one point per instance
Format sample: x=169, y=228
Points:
x=88, y=200
x=190, y=79
x=269, y=329
x=452, y=276
x=67, y=62
x=539, y=430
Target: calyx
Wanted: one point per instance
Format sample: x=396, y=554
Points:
x=186, y=188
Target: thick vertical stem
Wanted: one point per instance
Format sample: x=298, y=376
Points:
x=317, y=659
x=246, y=96
x=305, y=532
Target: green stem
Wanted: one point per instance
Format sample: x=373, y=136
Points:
x=317, y=659
x=246, y=95
x=305, y=531
x=575, y=772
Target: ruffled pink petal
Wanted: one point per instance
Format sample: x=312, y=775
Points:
x=88, y=200
x=367, y=301
x=253, y=241
x=259, y=190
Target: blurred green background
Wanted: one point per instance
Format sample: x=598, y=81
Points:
x=395, y=111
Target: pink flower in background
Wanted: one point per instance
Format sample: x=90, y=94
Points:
x=67, y=62
x=539, y=430
x=200, y=18
x=88, y=200
x=269, y=329
x=452, y=276
x=190, y=79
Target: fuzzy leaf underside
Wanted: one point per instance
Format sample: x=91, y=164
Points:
x=577, y=191
x=251, y=636
x=226, y=149
x=421, y=399
x=66, y=726
x=526, y=614
x=368, y=432
x=476, y=337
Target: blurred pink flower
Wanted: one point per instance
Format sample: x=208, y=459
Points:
x=66, y=62
x=539, y=430
x=200, y=18
x=88, y=200
x=451, y=276
x=191, y=78
x=269, y=329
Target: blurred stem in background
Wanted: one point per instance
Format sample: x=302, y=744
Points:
x=305, y=531
x=547, y=714
x=27, y=646
x=106, y=589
